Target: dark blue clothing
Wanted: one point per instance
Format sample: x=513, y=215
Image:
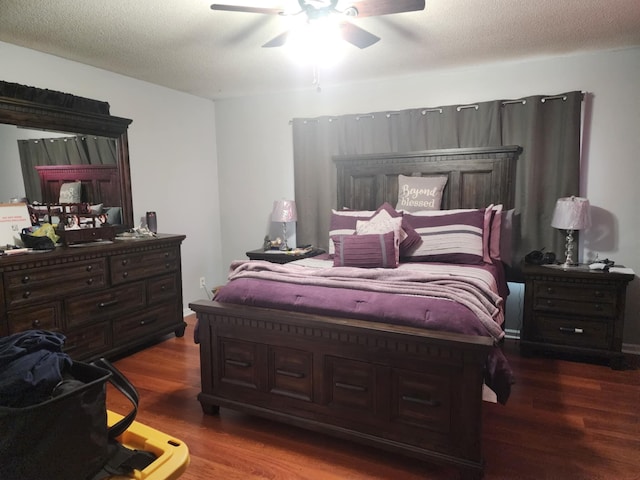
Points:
x=32, y=363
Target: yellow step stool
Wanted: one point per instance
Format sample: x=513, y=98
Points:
x=172, y=454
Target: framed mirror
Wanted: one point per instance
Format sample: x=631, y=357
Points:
x=54, y=116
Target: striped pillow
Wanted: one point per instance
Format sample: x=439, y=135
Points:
x=343, y=222
x=366, y=251
x=448, y=237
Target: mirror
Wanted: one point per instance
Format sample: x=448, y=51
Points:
x=46, y=114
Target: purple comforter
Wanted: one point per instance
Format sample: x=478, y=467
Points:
x=374, y=304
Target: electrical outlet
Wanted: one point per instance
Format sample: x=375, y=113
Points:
x=202, y=283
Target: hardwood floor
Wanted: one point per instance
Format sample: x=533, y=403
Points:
x=564, y=420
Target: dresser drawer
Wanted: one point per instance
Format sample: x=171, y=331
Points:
x=571, y=332
x=238, y=363
x=162, y=288
x=350, y=385
x=140, y=265
x=37, y=284
x=92, y=307
x=88, y=342
x=421, y=400
x=47, y=316
x=145, y=324
x=592, y=300
x=290, y=373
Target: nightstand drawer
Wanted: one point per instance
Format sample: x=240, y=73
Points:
x=577, y=291
x=571, y=332
x=591, y=309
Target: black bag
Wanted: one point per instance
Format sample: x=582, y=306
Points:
x=67, y=437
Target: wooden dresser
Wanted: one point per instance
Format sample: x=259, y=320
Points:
x=105, y=297
x=575, y=310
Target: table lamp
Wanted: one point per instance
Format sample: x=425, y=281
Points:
x=284, y=211
x=571, y=213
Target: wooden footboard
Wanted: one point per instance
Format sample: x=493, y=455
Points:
x=403, y=389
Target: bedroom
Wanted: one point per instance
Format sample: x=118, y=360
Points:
x=209, y=138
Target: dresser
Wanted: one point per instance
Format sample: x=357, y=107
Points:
x=106, y=297
x=576, y=311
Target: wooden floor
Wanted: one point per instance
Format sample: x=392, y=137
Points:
x=564, y=420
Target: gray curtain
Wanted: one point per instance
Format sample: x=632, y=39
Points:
x=75, y=150
x=546, y=127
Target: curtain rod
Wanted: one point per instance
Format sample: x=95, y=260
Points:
x=458, y=108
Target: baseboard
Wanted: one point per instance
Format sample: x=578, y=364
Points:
x=630, y=348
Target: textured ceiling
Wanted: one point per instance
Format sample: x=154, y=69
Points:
x=184, y=45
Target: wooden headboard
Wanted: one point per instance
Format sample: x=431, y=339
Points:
x=477, y=177
x=100, y=183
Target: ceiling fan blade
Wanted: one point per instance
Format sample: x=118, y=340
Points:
x=235, y=8
x=357, y=36
x=278, y=41
x=373, y=8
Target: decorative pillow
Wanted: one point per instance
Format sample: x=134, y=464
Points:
x=343, y=222
x=450, y=238
x=70, y=192
x=366, y=251
x=409, y=238
x=95, y=209
x=114, y=215
x=503, y=223
x=420, y=193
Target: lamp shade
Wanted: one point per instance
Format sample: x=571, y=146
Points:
x=571, y=213
x=284, y=211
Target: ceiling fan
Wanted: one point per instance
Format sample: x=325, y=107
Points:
x=319, y=9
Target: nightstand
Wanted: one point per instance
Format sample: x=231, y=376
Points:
x=575, y=311
x=277, y=256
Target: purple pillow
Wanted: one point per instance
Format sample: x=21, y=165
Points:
x=366, y=251
x=449, y=238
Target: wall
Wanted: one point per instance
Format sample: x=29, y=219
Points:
x=256, y=165
x=172, y=143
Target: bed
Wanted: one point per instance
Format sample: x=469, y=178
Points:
x=374, y=374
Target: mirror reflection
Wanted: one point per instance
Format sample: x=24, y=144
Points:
x=23, y=149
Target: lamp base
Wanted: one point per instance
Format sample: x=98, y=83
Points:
x=569, y=263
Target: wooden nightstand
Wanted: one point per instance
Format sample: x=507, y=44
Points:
x=576, y=310
x=276, y=256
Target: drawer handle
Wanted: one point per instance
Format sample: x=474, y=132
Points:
x=36, y=323
x=597, y=307
x=89, y=268
x=287, y=373
x=237, y=363
x=90, y=281
x=578, y=331
x=167, y=265
x=348, y=386
x=148, y=321
x=598, y=294
x=421, y=401
x=26, y=294
x=107, y=304
x=549, y=303
x=551, y=290
x=125, y=274
x=26, y=279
